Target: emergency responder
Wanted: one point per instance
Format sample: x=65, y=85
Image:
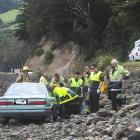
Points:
x=117, y=74
x=65, y=98
x=44, y=78
x=76, y=83
x=86, y=89
x=86, y=80
x=25, y=76
x=57, y=80
x=96, y=80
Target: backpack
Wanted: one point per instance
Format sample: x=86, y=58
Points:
x=104, y=87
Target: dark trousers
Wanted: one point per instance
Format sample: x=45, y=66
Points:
x=71, y=107
x=112, y=96
x=94, y=98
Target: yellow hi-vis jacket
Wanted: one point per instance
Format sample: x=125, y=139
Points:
x=75, y=83
x=43, y=80
x=118, y=73
x=64, y=94
x=95, y=76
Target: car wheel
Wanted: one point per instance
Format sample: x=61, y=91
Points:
x=54, y=113
x=5, y=120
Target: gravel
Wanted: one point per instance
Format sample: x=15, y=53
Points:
x=103, y=125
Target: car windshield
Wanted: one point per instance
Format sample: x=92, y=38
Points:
x=26, y=90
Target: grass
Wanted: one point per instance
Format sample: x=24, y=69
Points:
x=13, y=26
x=131, y=66
x=9, y=16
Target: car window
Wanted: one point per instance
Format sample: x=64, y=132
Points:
x=26, y=90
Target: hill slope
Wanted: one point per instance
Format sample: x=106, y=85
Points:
x=6, y=5
x=9, y=16
x=63, y=62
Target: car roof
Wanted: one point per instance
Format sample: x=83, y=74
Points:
x=30, y=88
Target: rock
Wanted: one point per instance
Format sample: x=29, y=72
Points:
x=134, y=135
x=120, y=132
x=124, y=123
x=92, y=119
x=104, y=113
x=137, y=98
x=127, y=108
x=112, y=120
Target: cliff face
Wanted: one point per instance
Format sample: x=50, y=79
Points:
x=63, y=61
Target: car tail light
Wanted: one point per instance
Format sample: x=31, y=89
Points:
x=137, y=54
x=6, y=103
x=38, y=102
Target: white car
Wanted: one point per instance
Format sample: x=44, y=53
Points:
x=135, y=53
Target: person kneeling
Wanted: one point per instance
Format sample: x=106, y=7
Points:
x=65, y=99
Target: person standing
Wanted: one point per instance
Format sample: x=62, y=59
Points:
x=44, y=78
x=86, y=80
x=76, y=83
x=117, y=74
x=96, y=80
x=57, y=81
x=25, y=76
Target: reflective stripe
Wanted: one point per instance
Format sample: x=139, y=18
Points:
x=66, y=99
x=115, y=89
x=64, y=94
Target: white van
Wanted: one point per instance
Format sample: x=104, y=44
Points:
x=135, y=53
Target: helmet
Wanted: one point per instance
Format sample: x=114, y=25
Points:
x=25, y=68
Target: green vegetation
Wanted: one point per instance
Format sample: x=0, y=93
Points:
x=38, y=52
x=108, y=25
x=132, y=65
x=9, y=16
x=6, y=5
x=48, y=57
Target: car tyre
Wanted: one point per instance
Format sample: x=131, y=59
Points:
x=5, y=121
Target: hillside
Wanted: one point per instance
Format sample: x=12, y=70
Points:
x=6, y=5
x=10, y=46
x=10, y=16
x=64, y=60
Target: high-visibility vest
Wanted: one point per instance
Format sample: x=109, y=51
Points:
x=86, y=81
x=95, y=76
x=75, y=83
x=118, y=73
x=64, y=94
x=43, y=80
x=54, y=83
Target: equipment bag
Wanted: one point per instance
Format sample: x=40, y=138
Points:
x=104, y=87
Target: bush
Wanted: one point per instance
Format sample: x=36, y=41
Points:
x=38, y=52
x=48, y=57
x=54, y=46
x=1, y=22
x=103, y=61
x=38, y=74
